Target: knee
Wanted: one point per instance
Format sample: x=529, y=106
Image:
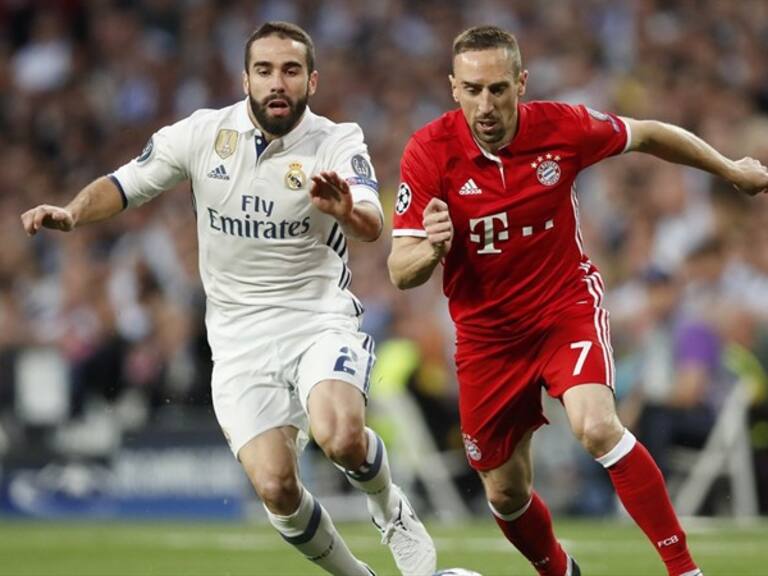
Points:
x=344, y=443
x=280, y=492
x=508, y=498
x=599, y=435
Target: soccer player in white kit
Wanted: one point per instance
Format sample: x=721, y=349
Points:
x=277, y=192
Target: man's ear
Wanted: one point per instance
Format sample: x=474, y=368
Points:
x=522, y=82
x=313, y=76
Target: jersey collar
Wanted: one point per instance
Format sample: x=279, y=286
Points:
x=246, y=126
x=300, y=130
x=242, y=120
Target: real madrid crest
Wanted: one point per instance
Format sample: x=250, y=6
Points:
x=547, y=168
x=295, y=178
x=226, y=143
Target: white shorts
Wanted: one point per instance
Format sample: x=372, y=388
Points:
x=276, y=360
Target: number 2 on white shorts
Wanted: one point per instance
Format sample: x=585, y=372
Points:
x=585, y=345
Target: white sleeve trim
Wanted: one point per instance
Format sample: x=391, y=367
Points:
x=366, y=194
x=409, y=232
x=629, y=135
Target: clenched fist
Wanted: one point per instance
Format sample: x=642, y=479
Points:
x=438, y=226
x=750, y=177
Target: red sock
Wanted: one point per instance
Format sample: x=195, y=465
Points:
x=640, y=486
x=532, y=534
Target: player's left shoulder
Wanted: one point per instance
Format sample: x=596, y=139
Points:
x=559, y=112
x=565, y=121
x=335, y=139
x=550, y=122
x=552, y=112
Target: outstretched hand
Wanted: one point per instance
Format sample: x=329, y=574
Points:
x=751, y=176
x=330, y=194
x=438, y=226
x=46, y=216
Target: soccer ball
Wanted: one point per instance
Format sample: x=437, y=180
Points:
x=456, y=572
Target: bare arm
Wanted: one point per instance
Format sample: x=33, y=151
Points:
x=100, y=200
x=331, y=194
x=363, y=223
x=677, y=145
x=412, y=260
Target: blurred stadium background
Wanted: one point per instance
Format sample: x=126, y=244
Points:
x=104, y=369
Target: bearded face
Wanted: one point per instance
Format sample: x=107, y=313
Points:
x=278, y=83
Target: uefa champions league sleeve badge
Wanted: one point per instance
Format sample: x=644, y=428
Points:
x=146, y=152
x=403, y=201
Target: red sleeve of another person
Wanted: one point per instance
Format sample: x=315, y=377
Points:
x=601, y=135
x=419, y=183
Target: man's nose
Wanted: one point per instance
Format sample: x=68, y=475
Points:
x=277, y=83
x=485, y=104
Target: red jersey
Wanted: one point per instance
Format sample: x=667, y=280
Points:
x=517, y=258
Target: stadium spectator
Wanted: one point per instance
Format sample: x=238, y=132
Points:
x=681, y=378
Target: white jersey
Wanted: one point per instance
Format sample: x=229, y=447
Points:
x=262, y=242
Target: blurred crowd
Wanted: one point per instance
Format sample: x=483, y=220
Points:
x=115, y=310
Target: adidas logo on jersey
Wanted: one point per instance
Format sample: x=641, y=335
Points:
x=219, y=173
x=469, y=188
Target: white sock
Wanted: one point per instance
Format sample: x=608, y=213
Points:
x=375, y=479
x=311, y=531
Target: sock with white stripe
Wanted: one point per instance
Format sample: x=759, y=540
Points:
x=311, y=531
x=374, y=478
x=640, y=487
x=530, y=530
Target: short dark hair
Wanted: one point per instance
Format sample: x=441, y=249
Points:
x=282, y=30
x=487, y=38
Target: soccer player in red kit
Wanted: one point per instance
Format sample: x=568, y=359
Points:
x=488, y=190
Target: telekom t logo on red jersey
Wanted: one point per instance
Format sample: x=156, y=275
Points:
x=485, y=232
x=482, y=231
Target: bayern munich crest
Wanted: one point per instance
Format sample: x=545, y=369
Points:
x=470, y=445
x=547, y=169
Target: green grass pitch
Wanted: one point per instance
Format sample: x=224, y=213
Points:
x=187, y=549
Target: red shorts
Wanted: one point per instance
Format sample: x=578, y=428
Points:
x=500, y=382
